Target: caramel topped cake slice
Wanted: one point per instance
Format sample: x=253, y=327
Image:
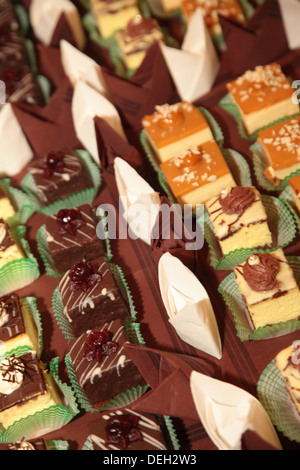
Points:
x=174, y=128
x=9, y=250
x=288, y=363
x=281, y=147
x=263, y=95
x=197, y=174
x=239, y=219
x=134, y=41
x=211, y=10
x=113, y=15
x=269, y=289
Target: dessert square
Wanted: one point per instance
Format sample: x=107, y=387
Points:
x=269, y=289
x=6, y=207
x=174, y=128
x=17, y=326
x=136, y=38
x=102, y=367
x=71, y=236
x=197, y=174
x=125, y=429
x=295, y=190
x=113, y=15
x=263, y=96
x=58, y=176
x=25, y=388
x=287, y=362
x=211, y=10
x=9, y=250
x=90, y=296
x=281, y=148
x=239, y=219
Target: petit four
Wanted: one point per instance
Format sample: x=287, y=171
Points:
x=17, y=326
x=102, y=367
x=211, y=10
x=71, y=237
x=25, y=388
x=281, y=148
x=268, y=287
x=90, y=296
x=262, y=95
x=58, y=176
x=6, y=207
x=295, y=191
x=197, y=174
x=125, y=429
x=288, y=363
x=174, y=128
x=9, y=249
x=239, y=219
x=113, y=15
x=134, y=40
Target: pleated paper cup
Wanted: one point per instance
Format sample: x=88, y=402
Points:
x=57, y=445
x=235, y=303
x=20, y=201
x=287, y=197
x=273, y=395
x=215, y=129
x=85, y=196
x=281, y=224
x=121, y=400
x=21, y=272
x=228, y=105
x=58, y=307
x=48, y=420
x=259, y=166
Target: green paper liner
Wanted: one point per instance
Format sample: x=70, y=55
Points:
x=85, y=196
x=121, y=283
x=21, y=272
x=237, y=165
x=167, y=428
x=42, y=244
x=30, y=304
x=282, y=226
x=259, y=166
x=234, y=301
x=20, y=202
x=119, y=401
x=48, y=420
x=233, y=110
x=42, y=82
x=274, y=397
x=23, y=18
x=287, y=198
x=215, y=129
x=57, y=445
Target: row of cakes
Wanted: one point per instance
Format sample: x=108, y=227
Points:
x=265, y=280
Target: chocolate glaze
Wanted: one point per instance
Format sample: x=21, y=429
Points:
x=10, y=308
x=237, y=201
x=6, y=239
x=262, y=276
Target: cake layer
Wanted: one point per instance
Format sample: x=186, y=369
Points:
x=9, y=250
x=172, y=129
x=287, y=362
x=95, y=301
x=102, y=367
x=6, y=207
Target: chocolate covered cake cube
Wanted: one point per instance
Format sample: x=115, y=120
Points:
x=101, y=365
x=8, y=17
x=17, y=326
x=90, y=296
x=58, y=176
x=25, y=388
x=126, y=429
x=9, y=249
x=71, y=237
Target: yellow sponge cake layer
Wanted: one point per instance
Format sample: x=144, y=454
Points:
x=288, y=363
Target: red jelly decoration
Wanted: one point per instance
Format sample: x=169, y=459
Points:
x=70, y=221
x=122, y=430
x=99, y=344
x=83, y=277
x=54, y=164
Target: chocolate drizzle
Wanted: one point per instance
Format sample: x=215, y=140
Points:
x=260, y=272
x=237, y=201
